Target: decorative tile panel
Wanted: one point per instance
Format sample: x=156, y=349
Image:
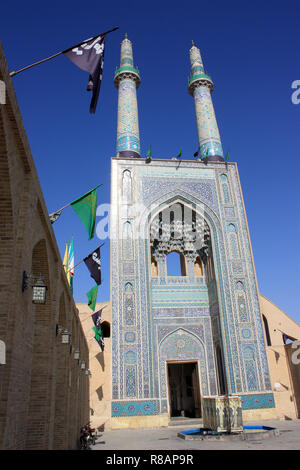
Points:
x=135, y=408
x=222, y=311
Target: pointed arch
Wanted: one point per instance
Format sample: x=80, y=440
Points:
x=105, y=327
x=198, y=267
x=62, y=378
x=41, y=370
x=175, y=262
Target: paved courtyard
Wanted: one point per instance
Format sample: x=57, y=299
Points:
x=167, y=439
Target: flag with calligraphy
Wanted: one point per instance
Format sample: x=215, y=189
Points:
x=92, y=296
x=85, y=207
x=97, y=318
x=99, y=337
x=89, y=56
x=93, y=263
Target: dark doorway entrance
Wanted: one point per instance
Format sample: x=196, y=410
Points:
x=184, y=391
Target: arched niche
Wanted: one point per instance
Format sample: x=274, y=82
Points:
x=127, y=240
x=128, y=287
x=198, y=267
x=154, y=267
x=41, y=369
x=105, y=328
x=127, y=186
x=62, y=377
x=182, y=345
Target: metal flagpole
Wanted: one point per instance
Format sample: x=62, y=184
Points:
x=59, y=210
x=81, y=260
x=67, y=205
x=12, y=74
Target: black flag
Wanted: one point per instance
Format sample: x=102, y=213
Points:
x=97, y=329
x=99, y=337
x=97, y=318
x=89, y=56
x=93, y=264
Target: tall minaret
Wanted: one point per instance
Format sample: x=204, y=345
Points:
x=127, y=80
x=200, y=87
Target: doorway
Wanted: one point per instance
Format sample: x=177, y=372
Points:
x=184, y=390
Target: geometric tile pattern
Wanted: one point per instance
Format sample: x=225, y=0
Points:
x=160, y=319
x=135, y=408
x=250, y=402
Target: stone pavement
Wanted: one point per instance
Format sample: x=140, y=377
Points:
x=167, y=439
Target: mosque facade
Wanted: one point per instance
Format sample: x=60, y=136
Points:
x=179, y=338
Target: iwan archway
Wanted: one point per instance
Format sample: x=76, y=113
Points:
x=184, y=304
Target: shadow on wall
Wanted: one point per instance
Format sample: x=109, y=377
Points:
x=100, y=359
x=99, y=392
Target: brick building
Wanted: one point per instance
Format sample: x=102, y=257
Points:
x=44, y=391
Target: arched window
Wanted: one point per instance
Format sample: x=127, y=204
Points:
x=154, y=268
x=127, y=186
x=127, y=240
x=175, y=264
x=198, y=269
x=105, y=328
x=267, y=332
x=231, y=228
x=128, y=287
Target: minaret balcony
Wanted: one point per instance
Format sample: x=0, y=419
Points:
x=127, y=72
x=200, y=80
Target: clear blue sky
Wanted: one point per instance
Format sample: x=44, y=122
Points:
x=251, y=50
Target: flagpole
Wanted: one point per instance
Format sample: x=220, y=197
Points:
x=67, y=205
x=82, y=260
x=74, y=266
x=12, y=74
x=59, y=210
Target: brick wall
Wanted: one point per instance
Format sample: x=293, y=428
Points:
x=44, y=395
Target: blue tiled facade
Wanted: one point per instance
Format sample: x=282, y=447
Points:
x=157, y=319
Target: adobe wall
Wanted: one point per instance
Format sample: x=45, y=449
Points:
x=285, y=376
x=100, y=365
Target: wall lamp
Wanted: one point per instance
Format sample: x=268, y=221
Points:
x=77, y=353
x=38, y=287
x=65, y=334
x=82, y=365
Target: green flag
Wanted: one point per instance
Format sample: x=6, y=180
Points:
x=227, y=156
x=99, y=337
x=92, y=296
x=179, y=155
x=98, y=332
x=149, y=153
x=85, y=207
